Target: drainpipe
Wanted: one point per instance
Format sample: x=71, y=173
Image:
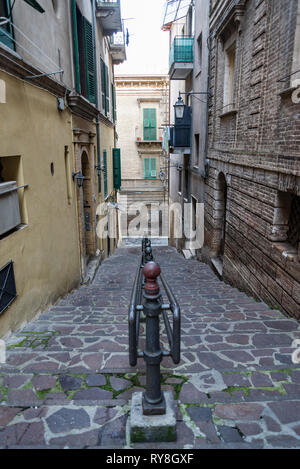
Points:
x=97, y=97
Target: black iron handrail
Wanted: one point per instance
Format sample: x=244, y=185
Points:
x=136, y=307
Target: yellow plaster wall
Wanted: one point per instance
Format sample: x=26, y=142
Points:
x=45, y=252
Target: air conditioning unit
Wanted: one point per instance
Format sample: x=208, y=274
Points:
x=9, y=207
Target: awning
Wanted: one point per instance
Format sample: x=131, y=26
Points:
x=175, y=9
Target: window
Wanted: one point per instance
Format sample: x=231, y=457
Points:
x=13, y=214
x=196, y=154
x=186, y=176
x=84, y=57
x=293, y=234
x=117, y=168
x=6, y=31
x=149, y=124
x=114, y=105
x=150, y=171
x=199, y=54
x=104, y=87
x=229, y=77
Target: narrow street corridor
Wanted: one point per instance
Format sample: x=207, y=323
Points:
x=67, y=382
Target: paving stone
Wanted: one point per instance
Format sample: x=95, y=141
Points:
x=199, y=413
x=236, y=379
x=17, y=396
x=103, y=414
x=69, y=383
x=7, y=414
x=272, y=425
x=260, y=379
x=295, y=376
x=209, y=430
x=16, y=381
x=66, y=419
x=80, y=440
x=113, y=433
x=189, y=394
x=230, y=434
x=280, y=376
x=95, y=380
x=242, y=411
x=23, y=434
x=93, y=394
x=283, y=441
x=118, y=384
x=43, y=382
x=249, y=429
x=286, y=411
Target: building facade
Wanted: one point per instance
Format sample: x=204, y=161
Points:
x=143, y=115
x=252, y=217
x=57, y=134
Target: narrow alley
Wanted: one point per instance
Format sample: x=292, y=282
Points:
x=67, y=382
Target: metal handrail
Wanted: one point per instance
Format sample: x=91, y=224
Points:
x=136, y=307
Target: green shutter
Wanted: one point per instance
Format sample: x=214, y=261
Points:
x=149, y=124
x=114, y=105
x=103, y=79
x=105, y=173
x=6, y=31
x=150, y=171
x=117, y=168
x=90, y=69
x=76, y=47
x=107, y=90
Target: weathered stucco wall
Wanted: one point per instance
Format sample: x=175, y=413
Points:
x=45, y=251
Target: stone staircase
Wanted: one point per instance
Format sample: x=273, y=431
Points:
x=67, y=382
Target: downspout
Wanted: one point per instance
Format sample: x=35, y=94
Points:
x=97, y=96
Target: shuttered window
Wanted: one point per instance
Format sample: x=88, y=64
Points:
x=113, y=98
x=105, y=173
x=149, y=124
x=150, y=171
x=104, y=87
x=90, y=69
x=117, y=168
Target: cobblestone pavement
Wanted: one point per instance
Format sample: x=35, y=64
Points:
x=67, y=382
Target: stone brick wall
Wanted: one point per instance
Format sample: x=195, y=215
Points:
x=255, y=144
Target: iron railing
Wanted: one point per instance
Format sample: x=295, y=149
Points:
x=136, y=307
x=182, y=50
x=146, y=297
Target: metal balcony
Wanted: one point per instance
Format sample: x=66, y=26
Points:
x=118, y=47
x=109, y=14
x=181, y=57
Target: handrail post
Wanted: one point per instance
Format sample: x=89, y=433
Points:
x=153, y=399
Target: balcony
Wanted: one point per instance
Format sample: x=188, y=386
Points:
x=181, y=57
x=109, y=14
x=118, y=48
x=180, y=135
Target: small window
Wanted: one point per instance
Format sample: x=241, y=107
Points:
x=150, y=171
x=229, y=77
x=13, y=213
x=196, y=154
x=293, y=234
x=199, y=57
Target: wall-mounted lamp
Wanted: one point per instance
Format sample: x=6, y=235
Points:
x=179, y=107
x=79, y=178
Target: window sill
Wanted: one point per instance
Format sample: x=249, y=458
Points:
x=287, y=251
x=15, y=230
x=228, y=113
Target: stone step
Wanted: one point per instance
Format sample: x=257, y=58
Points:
x=192, y=360
x=191, y=339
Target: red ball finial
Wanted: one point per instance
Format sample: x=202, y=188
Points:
x=151, y=271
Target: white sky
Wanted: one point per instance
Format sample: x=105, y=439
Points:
x=148, y=50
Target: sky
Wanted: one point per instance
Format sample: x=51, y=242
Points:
x=148, y=50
